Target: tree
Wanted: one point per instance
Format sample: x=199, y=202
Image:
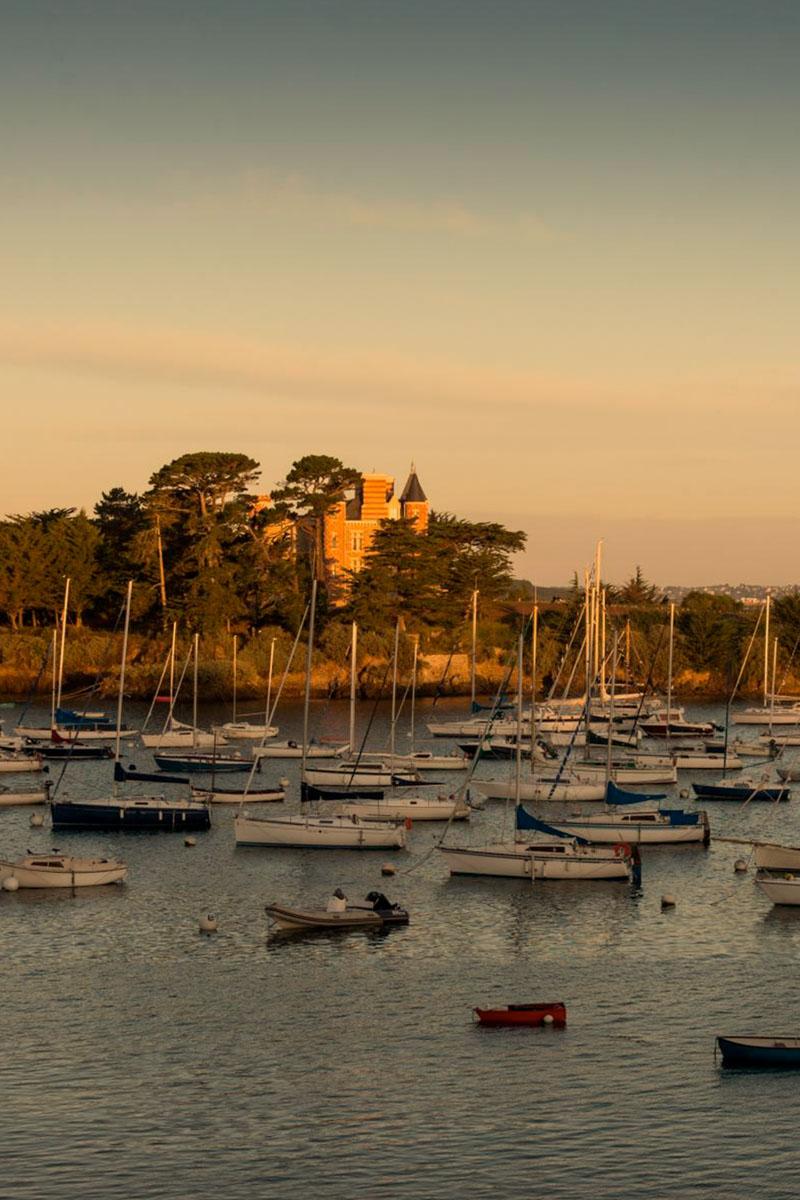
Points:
x=315, y=484
x=637, y=591
x=202, y=504
x=120, y=519
x=713, y=631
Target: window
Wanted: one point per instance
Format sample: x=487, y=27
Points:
x=356, y=541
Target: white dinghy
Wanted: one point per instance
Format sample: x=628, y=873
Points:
x=16, y=797
x=407, y=808
x=18, y=764
x=780, y=889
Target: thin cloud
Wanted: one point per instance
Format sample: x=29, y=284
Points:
x=270, y=193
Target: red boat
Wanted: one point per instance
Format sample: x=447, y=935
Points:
x=523, y=1014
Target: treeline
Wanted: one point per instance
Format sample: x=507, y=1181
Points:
x=205, y=551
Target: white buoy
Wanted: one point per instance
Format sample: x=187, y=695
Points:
x=10, y=884
x=547, y=1019
x=284, y=783
x=190, y=841
x=740, y=865
x=208, y=923
x=684, y=793
x=37, y=820
x=388, y=869
x=668, y=901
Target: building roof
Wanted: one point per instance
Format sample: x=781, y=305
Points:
x=413, y=492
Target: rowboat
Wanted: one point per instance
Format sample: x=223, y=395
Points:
x=772, y=1053
x=524, y=1014
x=355, y=916
x=780, y=889
x=61, y=871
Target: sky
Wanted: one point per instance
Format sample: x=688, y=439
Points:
x=546, y=250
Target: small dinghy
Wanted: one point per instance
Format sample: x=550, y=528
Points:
x=13, y=797
x=524, y=1014
x=16, y=762
x=376, y=913
x=760, y=1052
x=62, y=871
x=219, y=795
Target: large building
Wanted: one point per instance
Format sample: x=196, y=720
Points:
x=350, y=526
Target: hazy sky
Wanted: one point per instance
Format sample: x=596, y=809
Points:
x=548, y=250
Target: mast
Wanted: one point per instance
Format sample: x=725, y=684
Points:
x=235, y=641
x=122, y=670
x=534, y=642
x=587, y=617
x=307, y=701
x=172, y=666
x=162, y=582
x=63, y=642
x=474, y=647
x=518, y=755
x=268, y=719
x=353, y=681
x=394, y=687
x=774, y=673
x=603, y=689
x=414, y=688
x=55, y=680
x=766, y=649
x=669, y=666
x=611, y=712
x=194, y=690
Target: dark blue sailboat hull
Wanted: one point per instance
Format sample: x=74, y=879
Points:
x=74, y=815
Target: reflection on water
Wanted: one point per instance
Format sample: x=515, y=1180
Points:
x=144, y=1060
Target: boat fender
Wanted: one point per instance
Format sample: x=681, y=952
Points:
x=10, y=884
x=37, y=820
x=409, y=823
x=208, y=923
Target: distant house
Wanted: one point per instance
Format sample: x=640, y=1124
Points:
x=350, y=526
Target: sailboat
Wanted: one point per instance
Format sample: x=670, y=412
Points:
x=134, y=813
x=559, y=857
x=175, y=735
x=243, y=730
x=623, y=824
x=343, y=832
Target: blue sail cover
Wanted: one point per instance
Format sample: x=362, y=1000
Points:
x=616, y=795
x=678, y=816
x=526, y=821
x=121, y=775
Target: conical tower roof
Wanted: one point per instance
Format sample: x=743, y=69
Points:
x=412, y=493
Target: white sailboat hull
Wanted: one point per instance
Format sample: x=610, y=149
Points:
x=780, y=891
x=343, y=833
x=12, y=799
x=352, y=777
x=610, y=831
x=257, y=796
x=777, y=858
x=59, y=871
x=762, y=716
x=74, y=735
x=708, y=762
x=501, y=789
x=241, y=731
x=15, y=764
x=401, y=808
x=420, y=761
x=294, y=750
x=183, y=739
x=543, y=861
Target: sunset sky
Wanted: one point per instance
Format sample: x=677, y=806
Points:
x=547, y=250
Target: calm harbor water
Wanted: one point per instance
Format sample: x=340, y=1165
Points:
x=144, y=1060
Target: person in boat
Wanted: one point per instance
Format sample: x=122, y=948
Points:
x=379, y=903
x=337, y=902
